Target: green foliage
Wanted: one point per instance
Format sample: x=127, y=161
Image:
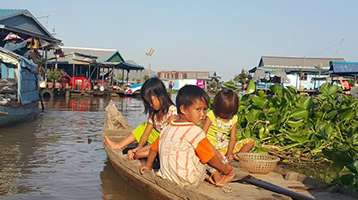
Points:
x=54, y=75
x=214, y=84
x=243, y=77
x=322, y=127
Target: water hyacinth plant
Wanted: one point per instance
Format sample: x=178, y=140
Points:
x=321, y=128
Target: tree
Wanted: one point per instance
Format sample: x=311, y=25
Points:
x=214, y=84
x=244, y=77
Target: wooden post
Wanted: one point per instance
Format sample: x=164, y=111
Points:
x=112, y=74
x=46, y=65
x=89, y=71
x=122, y=75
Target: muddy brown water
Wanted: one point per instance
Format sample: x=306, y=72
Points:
x=60, y=154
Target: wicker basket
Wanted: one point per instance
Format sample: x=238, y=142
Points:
x=260, y=163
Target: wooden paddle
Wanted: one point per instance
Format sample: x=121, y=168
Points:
x=243, y=177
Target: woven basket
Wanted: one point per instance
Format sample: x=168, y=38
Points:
x=260, y=163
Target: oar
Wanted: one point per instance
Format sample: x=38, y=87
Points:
x=246, y=178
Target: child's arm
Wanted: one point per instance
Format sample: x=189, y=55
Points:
x=206, y=125
x=146, y=133
x=152, y=154
x=207, y=154
x=232, y=143
x=217, y=163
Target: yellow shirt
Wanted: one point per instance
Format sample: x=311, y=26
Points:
x=219, y=130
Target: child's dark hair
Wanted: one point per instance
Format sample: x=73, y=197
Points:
x=188, y=94
x=226, y=104
x=155, y=87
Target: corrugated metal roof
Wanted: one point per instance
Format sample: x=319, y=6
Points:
x=339, y=67
x=129, y=66
x=297, y=62
x=23, y=22
x=82, y=55
x=99, y=55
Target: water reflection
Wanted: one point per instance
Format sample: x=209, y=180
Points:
x=60, y=154
x=114, y=189
x=17, y=145
x=77, y=104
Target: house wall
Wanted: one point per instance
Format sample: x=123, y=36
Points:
x=308, y=84
x=174, y=75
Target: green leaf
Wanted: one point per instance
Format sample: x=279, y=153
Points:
x=295, y=124
x=277, y=90
x=355, y=165
x=252, y=116
x=258, y=101
x=251, y=87
x=355, y=139
x=332, y=114
x=347, y=179
x=340, y=158
x=261, y=93
x=300, y=138
x=262, y=133
x=247, y=133
x=346, y=114
x=299, y=114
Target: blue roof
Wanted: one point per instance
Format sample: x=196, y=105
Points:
x=342, y=67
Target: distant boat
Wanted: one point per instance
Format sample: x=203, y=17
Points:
x=133, y=89
x=19, y=91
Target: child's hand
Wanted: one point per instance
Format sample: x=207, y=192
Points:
x=230, y=156
x=144, y=169
x=131, y=153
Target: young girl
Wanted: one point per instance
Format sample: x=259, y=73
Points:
x=160, y=109
x=221, y=125
x=183, y=147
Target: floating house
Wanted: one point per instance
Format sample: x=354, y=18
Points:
x=345, y=73
x=88, y=66
x=19, y=75
x=303, y=73
x=180, y=78
x=343, y=68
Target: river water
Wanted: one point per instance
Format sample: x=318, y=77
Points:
x=60, y=154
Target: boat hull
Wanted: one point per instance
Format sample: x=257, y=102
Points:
x=10, y=114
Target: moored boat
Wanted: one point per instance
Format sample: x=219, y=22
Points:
x=117, y=128
x=19, y=91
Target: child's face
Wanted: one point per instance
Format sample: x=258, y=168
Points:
x=196, y=112
x=155, y=103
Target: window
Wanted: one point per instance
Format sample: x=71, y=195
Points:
x=303, y=76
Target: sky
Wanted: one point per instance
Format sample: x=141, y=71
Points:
x=216, y=36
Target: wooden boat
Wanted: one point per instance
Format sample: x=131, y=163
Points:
x=116, y=128
x=19, y=91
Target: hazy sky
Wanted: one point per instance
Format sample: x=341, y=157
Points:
x=221, y=36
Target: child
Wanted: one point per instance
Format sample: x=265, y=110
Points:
x=160, y=109
x=221, y=125
x=182, y=146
